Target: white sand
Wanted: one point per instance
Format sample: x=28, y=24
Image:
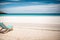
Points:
x=28, y=31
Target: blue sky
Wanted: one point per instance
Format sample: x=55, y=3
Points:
x=31, y=0
x=30, y=6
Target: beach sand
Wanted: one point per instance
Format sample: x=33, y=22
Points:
x=29, y=31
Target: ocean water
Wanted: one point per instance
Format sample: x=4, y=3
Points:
x=30, y=14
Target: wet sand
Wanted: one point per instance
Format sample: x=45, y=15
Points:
x=29, y=31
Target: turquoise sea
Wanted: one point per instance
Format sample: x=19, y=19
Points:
x=30, y=14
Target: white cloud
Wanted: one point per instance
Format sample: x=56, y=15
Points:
x=35, y=2
x=5, y=3
x=51, y=8
x=14, y=0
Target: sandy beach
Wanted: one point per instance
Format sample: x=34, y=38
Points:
x=32, y=27
x=29, y=31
